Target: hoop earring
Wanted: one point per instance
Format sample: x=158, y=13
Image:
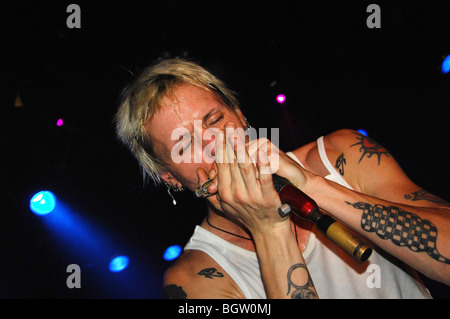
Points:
x=169, y=188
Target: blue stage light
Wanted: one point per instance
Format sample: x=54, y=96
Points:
x=43, y=202
x=445, y=67
x=363, y=132
x=118, y=263
x=172, y=252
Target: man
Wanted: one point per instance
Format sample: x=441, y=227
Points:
x=244, y=248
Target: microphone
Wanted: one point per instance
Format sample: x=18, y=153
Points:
x=297, y=202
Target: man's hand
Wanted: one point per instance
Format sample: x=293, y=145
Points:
x=244, y=159
x=245, y=191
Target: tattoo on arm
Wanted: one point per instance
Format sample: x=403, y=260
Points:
x=425, y=195
x=210, y=273
x=401, y=227
x=369, y=147
x=301, y=291
x=340, y=162
x=174, y=292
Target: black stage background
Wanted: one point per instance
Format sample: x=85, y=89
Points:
x=334, y=70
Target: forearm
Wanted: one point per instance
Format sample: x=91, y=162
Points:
x=419, y=236
x=283, y=269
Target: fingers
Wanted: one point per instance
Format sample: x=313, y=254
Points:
x=241, y=168
x=265, y=174
x=237, y=175
x=269, y=148
x=212, y=188
x=202, y=176
x=246, y=166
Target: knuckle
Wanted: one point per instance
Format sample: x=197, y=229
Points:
x=245, y=169
x=239, y=198
x=224, y=194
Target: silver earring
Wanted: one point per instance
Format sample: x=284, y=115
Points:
x=169, y=188
x=247, y=125
x=250, y=131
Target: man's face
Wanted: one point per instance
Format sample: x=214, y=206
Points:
x=191, y=111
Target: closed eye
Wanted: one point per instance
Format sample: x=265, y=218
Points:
x=216, y=120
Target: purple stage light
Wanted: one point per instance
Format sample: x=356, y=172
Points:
x=281, y=98
x=59, y=122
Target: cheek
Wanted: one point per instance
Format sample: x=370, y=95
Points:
x=186, y=173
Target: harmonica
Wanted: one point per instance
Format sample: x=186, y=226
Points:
x=202, y=190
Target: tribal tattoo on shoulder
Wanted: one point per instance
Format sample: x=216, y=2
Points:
x=301, y=291
x=369, y=147
x=401, y=227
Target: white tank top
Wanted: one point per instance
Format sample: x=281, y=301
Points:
x=335, y=274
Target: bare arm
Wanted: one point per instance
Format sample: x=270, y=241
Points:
x=195, y=275
x=284, y=271
x=246, y=194
x=387, y=207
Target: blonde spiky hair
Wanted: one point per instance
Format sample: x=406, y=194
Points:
x=143, y=98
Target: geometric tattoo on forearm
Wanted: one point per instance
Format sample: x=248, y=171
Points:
x=401, y=227
x=300, y=292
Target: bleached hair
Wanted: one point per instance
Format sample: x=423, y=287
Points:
x=142, y=98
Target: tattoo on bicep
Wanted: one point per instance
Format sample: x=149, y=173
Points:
x=401, y=227
x=425, y=195
x=301, y=291
x=174, y=292
x=369, y=147
x=340, y=162
x=210, y=273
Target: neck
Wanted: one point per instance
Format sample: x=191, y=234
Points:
x=219, y=221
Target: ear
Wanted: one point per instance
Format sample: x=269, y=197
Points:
x=170, y=179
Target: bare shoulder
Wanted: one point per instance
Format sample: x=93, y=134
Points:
x=335, y=143
x=368, y=167
x=341, y=138
x=347, y=139
x=360, y=160
x=195, y=275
